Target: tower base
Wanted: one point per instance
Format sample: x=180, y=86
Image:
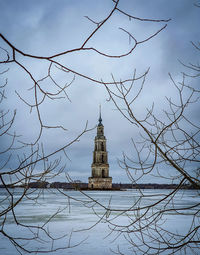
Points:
x=100, y=183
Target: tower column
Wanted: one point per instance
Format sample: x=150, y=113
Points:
x=100, y=168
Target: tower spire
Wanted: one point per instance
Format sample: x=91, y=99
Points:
x=100, y=119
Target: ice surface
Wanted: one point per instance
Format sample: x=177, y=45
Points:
x=75, y=216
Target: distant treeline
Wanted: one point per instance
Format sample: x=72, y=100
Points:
x=84, y=186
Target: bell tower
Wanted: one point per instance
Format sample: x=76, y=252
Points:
x=100, y=168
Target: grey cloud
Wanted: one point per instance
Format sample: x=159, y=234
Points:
x=46, y=27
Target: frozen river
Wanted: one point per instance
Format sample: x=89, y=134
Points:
x=77, y=217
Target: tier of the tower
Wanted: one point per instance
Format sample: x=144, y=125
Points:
x=100, y=132
x=100, y=155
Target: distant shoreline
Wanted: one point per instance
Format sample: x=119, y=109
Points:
x=84, y=186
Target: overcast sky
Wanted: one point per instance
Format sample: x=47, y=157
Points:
x=47, y=27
